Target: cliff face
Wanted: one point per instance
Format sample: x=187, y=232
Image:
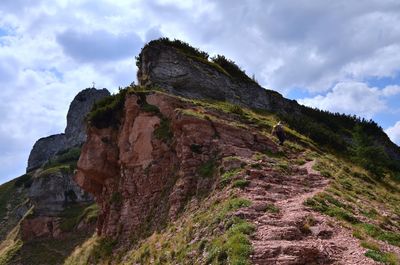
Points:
x=166, y=67
x=160, y=157
x=74, y=135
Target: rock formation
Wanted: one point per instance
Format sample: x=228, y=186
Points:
x=166, y=67
x=74, y=135
x=145, y=171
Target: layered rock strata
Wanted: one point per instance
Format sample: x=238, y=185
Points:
x=143, y=172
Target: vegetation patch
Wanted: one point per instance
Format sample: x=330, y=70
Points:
x=107, y=112
x=63, y=169
x=207, y=169
x=74, y=214
x=234, y=246
x=380, y=234
x=103, y=249
x=232, y=68
x=67, y=157
x=370, y=245
x=23, y=181
x=272, y=208
x=150, y=108
x=163, y=131
x=208, y=235
x=383, y=257
x=240, y=183
x=227, y=176
x=10, y=246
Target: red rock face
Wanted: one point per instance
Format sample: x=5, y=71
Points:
x=143, y=180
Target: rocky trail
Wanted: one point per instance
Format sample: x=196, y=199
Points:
x=287, y=232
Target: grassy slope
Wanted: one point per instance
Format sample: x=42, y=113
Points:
x=207, y=234
x=363, y=204
x=13, y=250
x=368, y=207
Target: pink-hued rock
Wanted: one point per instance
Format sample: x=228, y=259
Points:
x=140, y=181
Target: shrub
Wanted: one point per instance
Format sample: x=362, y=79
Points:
x=103, y=249
x=107, y=112
x=163, y=131
x=384, y=257
x=236, y=109
x=207, y=169
x=178, y=44
x=231, y=68
x=271, y=208
x=25, y=180
x=227, y=176
x=240, y=183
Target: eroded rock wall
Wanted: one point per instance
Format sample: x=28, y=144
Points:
x=144, y=172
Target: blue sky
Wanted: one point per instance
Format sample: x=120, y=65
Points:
x=336, y=55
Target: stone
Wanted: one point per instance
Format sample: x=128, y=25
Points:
x=135, y=176
x=75, y=132
x=166, y=67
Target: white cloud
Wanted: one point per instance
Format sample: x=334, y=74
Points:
x=394, y=133
x=351, y=98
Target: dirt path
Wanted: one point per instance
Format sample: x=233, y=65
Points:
x=287, y=232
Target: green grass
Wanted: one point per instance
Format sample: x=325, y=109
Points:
x=6, y=192
x=380, y=234
x=103, y=249
x=163, y=131
x=108, y=111
x=207, y=169
x=271, y=208
x=226, y=178
x=74, y=214
x=370, y=245
x=63, y=169
x=383, y=257
x=67, y=157
x=210, y=232
x=10, y=246
x=23, y=181
x=234, y=246
x=240, y=183
x=150, y=108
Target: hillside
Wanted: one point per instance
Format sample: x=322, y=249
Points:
x=184, y=170
x=44, y=215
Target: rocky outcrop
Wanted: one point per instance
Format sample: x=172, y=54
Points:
x=168, y=68
x=44, y=149
x=75, y=132
x=51, y=193
x=157, y=161
x=74, y=135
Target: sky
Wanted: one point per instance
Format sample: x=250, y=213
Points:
x=341, y=56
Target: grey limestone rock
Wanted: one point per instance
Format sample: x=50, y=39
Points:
x=75, y=133
x=52, y=192
x=170, y=69
x=45, y=148
x=80, y=106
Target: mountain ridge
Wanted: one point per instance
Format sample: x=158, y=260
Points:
x=184, y=170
